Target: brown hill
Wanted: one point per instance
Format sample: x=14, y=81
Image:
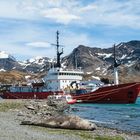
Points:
x=12, y=77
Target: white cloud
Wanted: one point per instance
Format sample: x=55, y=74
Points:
x=35, y=22
x=112, y=13
x=38, y=44
x=60, y=15
x=106, y=12
x=88, y=8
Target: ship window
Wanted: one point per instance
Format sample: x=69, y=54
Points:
x=54, y=73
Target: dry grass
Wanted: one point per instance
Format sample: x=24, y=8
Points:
x=12, y=77
x=6, y=105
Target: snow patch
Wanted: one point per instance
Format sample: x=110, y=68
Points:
x=2, y=70
x=89, y=72
x=63, y=65
x=4, y=55
x=96, y=77
x=125, y=46
x=39, y=60
x=91, y=54
x=123, y=56
x=104, y=71
x=130, y=63
x=99, y=68
x=51, y=60
x=129, y=57
x=105, y=55
x=27, y=76
x=22, y=63
x=120, y=45
x=41, y=70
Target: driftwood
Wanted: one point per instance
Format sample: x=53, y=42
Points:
x=52, y=114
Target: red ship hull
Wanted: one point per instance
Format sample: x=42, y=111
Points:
x=117, y=94
x=28, y=95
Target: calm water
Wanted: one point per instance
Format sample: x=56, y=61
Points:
x=121, y=116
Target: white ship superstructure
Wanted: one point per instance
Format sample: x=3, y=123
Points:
x=59, y=79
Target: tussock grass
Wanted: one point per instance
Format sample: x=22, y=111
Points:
x=81, y=134
x=7, y=105
x=109, y=138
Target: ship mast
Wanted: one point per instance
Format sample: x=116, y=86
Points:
x=58, y=64
x=116, y=77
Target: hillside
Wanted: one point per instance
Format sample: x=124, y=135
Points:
x=92, y=60
x=12, y=77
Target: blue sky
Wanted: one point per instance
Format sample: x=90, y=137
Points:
x=28, y=27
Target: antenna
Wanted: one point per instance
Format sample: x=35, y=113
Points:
x=58, y=64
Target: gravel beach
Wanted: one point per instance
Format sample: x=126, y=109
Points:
x=10, y=129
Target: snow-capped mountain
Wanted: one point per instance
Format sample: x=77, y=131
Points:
x=4, y=55
x=34, y=65
x=37, y=64
x=99, y=62
x=96, y=61
x=7, y=62
x=85, y=58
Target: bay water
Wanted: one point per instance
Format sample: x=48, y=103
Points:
x=124, y=117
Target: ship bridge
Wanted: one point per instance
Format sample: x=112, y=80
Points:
x=59, y=79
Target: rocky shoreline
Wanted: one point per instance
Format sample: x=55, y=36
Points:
x=11, y=118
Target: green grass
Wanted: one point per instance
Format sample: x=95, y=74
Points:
x=108, y=138
x=5, y=106
x=81, y=134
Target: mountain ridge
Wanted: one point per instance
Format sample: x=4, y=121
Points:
x=93, y=60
